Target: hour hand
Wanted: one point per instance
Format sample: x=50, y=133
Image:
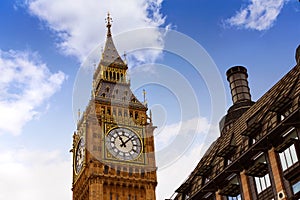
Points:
x=123, y=143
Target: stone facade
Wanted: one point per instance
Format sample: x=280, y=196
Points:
x=113, y=146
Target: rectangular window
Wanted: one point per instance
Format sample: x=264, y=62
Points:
x=238, y=197
x=262, y=183
x=106, y=168
x=296, y=187
x=288, y=157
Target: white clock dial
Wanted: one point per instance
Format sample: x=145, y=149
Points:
x=123, y=144
x=79, y=157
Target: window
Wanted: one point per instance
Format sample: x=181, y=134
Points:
x=234, y=198
x=231, y=190
x=285, y=113
x=227, y=162
x=186, y=196
x=296, y=187
x=262, y=183
x=288, y=150
x=206, y=180
x=130, y=171
x=288, y=157
x=105, y=169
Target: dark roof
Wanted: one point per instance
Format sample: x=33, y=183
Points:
x=110, y=55
x=285, y=92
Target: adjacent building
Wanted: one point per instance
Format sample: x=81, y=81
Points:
x=257, y=153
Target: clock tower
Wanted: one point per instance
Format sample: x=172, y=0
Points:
x=113, y=146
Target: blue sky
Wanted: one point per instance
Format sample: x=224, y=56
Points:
x=44, y=43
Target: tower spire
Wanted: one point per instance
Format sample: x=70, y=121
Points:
x=108, y=24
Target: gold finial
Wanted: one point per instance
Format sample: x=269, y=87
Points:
x=108, y=24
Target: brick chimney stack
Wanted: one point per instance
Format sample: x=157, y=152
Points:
x=241, y=97
x=238, y=80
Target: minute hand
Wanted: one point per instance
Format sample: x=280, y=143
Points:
x=124, y=144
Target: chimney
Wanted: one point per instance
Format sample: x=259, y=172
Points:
x=237, y=77
x=297, y=55
x=241, y=97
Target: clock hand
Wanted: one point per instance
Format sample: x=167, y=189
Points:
x=124, y=144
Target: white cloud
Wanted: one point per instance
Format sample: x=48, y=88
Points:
x=169, y=179
x=167, y=134
x=258, y=15
x=34, y=175
x=80, y=24
x=25, y=84
x=172, y=176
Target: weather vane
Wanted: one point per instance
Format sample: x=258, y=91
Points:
x=108, y=20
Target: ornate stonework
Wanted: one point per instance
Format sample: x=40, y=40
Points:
x=118, y=160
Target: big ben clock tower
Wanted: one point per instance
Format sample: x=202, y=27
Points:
x=113, y=146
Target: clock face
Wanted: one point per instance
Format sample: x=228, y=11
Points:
x=123, y=144
x=79, y=157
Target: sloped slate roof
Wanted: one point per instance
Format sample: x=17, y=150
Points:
x=286, y=91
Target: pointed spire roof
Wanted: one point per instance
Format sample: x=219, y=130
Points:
x=110, y=55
